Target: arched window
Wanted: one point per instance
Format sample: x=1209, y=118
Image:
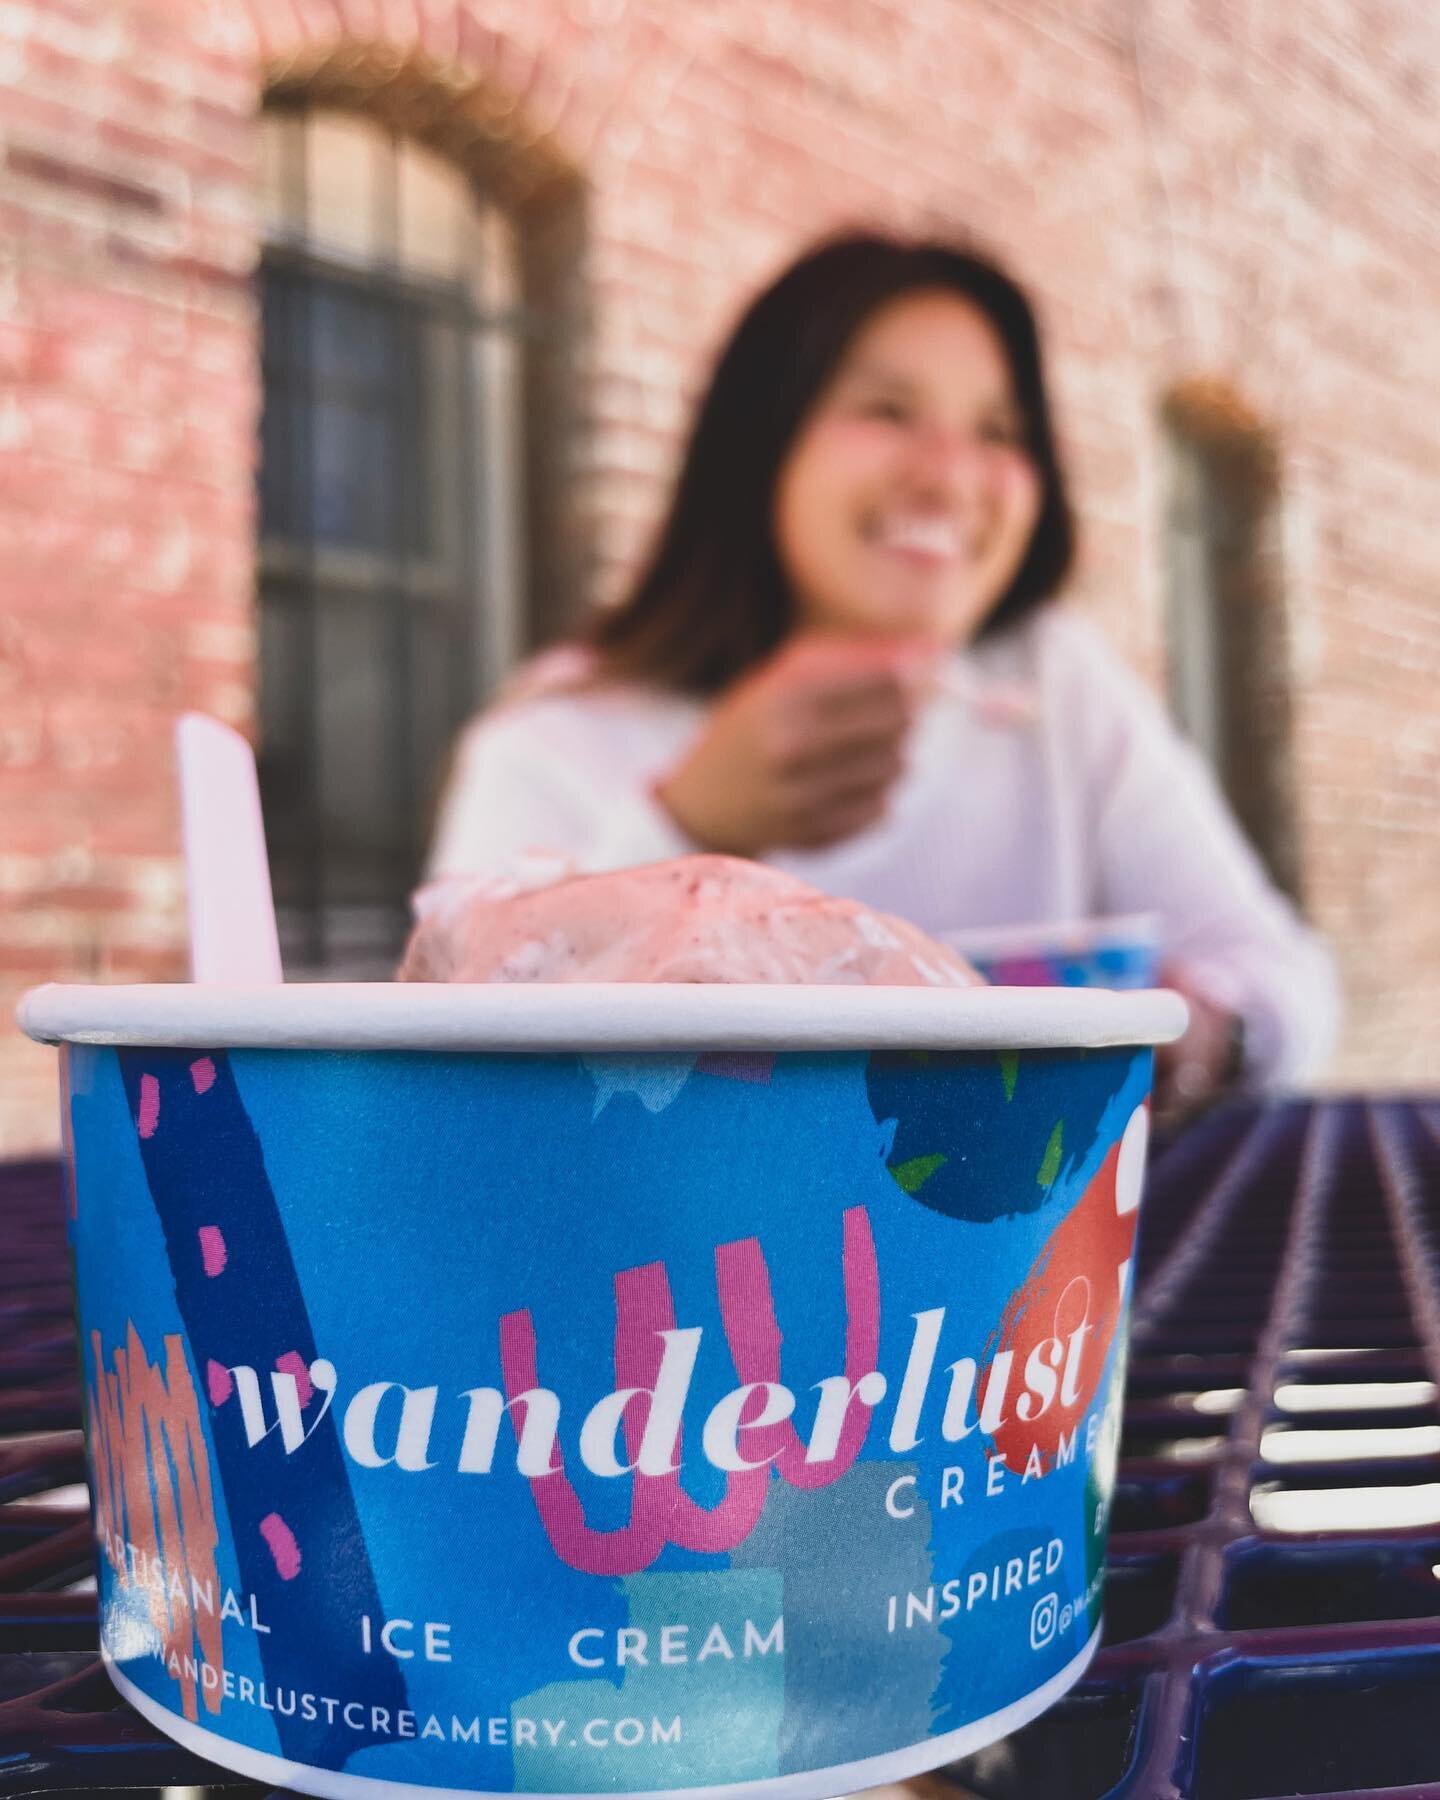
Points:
x=390, y=585
x=1226, y=642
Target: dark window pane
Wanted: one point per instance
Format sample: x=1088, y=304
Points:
x=440, y=691
x=361, y=809
x=442, y=396
x=277, y=320
x=352, y=337
x=354, y=475
x=285, y=773
x=280, y=420
x=280, y=491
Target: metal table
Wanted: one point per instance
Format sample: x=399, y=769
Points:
x=1273, y=1607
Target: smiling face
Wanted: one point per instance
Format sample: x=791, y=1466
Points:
x=908, y=499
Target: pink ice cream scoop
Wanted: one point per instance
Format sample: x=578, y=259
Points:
x=696, y=919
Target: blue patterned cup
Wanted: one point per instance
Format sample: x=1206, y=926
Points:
x=600, y=1391
x=1121, y=953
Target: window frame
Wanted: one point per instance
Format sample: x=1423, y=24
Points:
x=475, y=574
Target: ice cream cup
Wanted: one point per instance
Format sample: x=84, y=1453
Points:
x=592, y=1390
x=1121, y=952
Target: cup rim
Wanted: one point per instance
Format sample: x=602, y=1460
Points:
x=597, y=1017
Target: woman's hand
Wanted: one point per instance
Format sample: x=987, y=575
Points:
x=803, y=752
x=1201, y=1065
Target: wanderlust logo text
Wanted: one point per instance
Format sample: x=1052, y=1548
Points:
x=637, y=1429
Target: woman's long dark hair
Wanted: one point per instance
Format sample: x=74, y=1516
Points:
x=713, y=600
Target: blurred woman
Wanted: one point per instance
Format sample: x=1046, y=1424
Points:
x=843, y=658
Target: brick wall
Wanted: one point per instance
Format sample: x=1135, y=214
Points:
x=126, y=338
x=1201, y=190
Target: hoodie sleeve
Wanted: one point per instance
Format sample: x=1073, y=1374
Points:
x=1158, y=837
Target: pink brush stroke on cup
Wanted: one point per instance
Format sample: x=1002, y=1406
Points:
x=149, y=1115
x=219, y=1382
x=202, y=1073
x=213, y=1253
x=281, y=1541
x=293, y=1363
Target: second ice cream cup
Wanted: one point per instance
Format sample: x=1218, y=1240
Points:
x=1120, y=952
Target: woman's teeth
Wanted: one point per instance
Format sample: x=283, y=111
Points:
x=922, y=537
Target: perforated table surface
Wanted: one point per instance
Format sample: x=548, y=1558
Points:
x=1273, y=1605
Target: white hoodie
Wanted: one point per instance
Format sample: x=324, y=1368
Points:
x=1091, y=805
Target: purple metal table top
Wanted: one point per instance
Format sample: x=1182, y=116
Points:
x=1273, y=1605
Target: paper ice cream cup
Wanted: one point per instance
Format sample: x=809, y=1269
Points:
x=1121, y=953
x=600, y=1390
